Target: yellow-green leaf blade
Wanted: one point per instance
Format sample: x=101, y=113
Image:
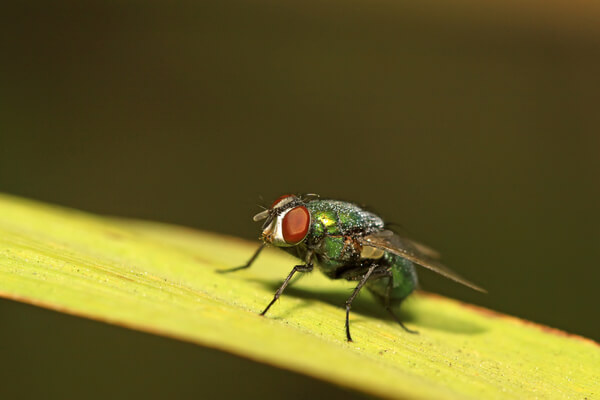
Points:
x=162, y=279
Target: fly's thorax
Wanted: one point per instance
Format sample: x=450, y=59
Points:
x=335, y=226
x=333, y=252
x=332, y=217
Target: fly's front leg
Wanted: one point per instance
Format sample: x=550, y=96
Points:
x=248, y=264
x=298, y=268
x=362, y=282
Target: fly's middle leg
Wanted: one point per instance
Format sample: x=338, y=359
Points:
x=362, y=282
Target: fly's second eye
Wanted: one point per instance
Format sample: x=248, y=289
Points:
x=295, y=225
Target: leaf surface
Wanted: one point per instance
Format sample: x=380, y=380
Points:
x=161, y=279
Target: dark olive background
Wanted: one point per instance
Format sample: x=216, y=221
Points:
x=476, y=129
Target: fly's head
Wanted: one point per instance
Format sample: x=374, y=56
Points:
x=287, y=221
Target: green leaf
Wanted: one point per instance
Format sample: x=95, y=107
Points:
x=161, y=279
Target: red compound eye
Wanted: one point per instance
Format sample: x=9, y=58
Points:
x=295, y=225
x=285, y=196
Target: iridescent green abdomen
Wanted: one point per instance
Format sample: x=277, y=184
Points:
x=399, y=285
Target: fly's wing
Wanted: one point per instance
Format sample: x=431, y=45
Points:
x=424, y=250
x=406, y=248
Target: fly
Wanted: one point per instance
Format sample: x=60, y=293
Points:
x=347, y=242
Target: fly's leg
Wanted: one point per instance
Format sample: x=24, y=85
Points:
x=389, y=309
x=298, y=268
x=247, y=265
x=400, y=322
x=353, y=296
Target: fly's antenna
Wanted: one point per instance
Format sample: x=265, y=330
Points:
x=262, y=203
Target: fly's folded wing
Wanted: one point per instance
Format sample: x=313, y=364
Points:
x=415, y=252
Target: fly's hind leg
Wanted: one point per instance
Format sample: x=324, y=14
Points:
x=389, y=309
x=400, y=322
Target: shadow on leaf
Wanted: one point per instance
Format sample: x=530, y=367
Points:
x=368, y=306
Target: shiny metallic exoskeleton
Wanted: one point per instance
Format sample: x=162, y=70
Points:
x=346, y=242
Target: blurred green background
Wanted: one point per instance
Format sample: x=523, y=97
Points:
x=476, y=127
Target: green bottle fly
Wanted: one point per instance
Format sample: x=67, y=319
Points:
x=346, y=242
